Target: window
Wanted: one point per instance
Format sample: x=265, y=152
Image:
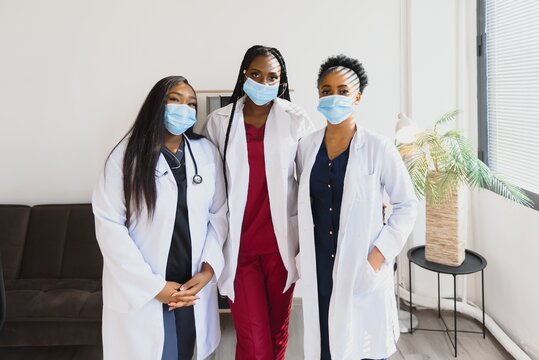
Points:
x=508, y=85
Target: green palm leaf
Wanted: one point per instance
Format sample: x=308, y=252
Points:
x=439, y=164
x=445, y=118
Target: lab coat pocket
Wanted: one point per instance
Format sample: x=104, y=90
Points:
x=202, y=184
x=208, y=296
x=207, y=172
x=367, y=186
x=213, y=281
x=369, y=280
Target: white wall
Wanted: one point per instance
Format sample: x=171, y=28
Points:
x=432, y=76
x=74, y=74
x=508, y=237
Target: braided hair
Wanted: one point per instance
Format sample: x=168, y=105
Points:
x=335, y=63
x=250, y=55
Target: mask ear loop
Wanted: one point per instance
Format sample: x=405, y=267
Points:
x=244, y=79
x=285, y=86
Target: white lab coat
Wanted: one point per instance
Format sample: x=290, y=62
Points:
x=285, y=125
x=135, y=259
x=363, y=320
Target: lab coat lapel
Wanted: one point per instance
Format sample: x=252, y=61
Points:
x=351, y=184
x=308, y=164
x=163, y=170
x=277, y=131
x=307, y=249
x=304, y=209
x=194, y=213
x=238, y=168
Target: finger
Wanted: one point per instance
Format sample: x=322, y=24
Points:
x=185, y=298
x=189, y=284
x=176, y=305
x=190, y=292
x=193, y=282
x=195, y=289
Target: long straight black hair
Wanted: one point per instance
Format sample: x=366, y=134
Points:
x=145, y=139
x=250, y=55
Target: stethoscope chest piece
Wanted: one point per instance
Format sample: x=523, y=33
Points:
x=197, y=179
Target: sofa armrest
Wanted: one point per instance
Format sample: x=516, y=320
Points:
x=2, y=296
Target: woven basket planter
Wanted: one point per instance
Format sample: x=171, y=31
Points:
x=444, y=242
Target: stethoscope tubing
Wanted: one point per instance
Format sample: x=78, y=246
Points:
x=197, y=179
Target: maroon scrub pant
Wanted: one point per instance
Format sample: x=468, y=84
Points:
x=261, y=311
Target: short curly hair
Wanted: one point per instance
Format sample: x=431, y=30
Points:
x=341, y=60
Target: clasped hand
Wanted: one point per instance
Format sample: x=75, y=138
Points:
x=177, y=295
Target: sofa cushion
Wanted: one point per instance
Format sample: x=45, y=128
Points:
x=61, y=243
x=13, y=227
x=52, y=265
x=51, y=333
x=67, y=352
x=53, y=300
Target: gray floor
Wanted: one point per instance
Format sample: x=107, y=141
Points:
x=422, y=345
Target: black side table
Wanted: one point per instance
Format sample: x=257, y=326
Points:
x=473, y=262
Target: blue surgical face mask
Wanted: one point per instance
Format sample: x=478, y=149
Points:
x=259, y=93
x=336, y=108
x=179, y=118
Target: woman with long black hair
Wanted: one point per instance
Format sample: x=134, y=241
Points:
x=257, y=135
x=160, y=213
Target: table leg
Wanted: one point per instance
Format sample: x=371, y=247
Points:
x=483, y=299
x=410, y=282
x=455, y=309
x=439, y=313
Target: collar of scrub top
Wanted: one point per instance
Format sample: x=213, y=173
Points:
x=197, y=178
x=170, y=155
x=357, y=142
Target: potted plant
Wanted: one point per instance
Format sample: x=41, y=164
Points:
x=439, y=164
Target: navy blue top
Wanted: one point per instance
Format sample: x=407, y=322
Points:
x=179, y=256
x=326, y=183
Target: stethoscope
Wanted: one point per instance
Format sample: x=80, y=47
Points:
x=197, y=179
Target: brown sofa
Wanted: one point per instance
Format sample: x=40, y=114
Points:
x=52, y=272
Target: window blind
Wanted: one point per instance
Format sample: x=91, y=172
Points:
x=511, y=46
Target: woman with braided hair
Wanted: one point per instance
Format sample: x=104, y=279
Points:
x=257, y=135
